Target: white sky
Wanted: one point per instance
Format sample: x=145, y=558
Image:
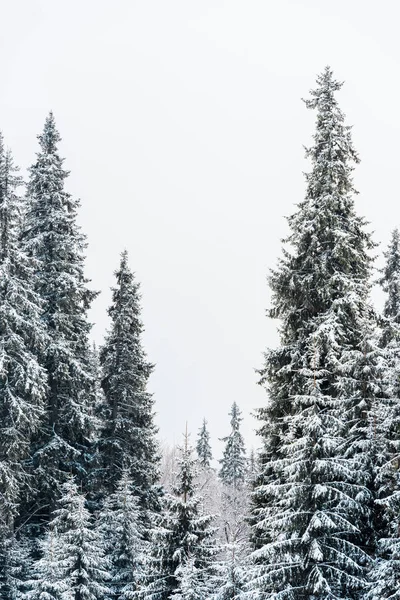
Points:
x=183, y=128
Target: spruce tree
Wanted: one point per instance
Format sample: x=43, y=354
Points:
x=233, y=462
x=119, y=524
x=312, y=501
x=52, y=237
x=183, y=540
x=385, y=576
x=22, y=336
x=128, y=439
x=73, y=563
x=203, y=447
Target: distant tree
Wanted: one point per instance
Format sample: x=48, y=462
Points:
x=183, y=542
x=128, y=439
x=233, y=462
x=203, y=446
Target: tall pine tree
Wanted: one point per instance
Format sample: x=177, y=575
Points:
x=128, y=440
x=52, y=237
x=22, y=336
x=312, y=501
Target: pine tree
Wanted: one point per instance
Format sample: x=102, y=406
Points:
x=52, y=237
x=73, y=565
x=22, y=380
x=17, y=569
x=231, y=579
x=183, y=538
x=128, y=439
x=120, y=526
x=203, y=446
x=191, y=584
x=233, y=462
x=385, y=576
x=311, y=506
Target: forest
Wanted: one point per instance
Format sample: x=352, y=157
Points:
x=93, y=507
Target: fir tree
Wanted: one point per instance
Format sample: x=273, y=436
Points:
x=182, y=543
x=52, y=237
x=233, y=462
x=385, y=576
x=128, y=438
x=231, y=578
x=120, y=526
x=203, y=446
x=73, y=565
x=22, y=380
x=312, y=502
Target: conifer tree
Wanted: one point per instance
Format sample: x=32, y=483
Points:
x=22, y=380
x=230, y=582
x=385, y=576
x=73, y=564
x=312, y=501
x=233, y=462
x=183, y=541
x=203, y=446
x=128, y=439
x=52, y=237
x=119, y=524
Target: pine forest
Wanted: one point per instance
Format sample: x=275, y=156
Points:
x=94, y=507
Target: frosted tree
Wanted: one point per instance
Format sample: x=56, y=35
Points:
x=312, y=500
x=230, y=582
x=203, y=446
x=52, y=237
x=385, y=576
x=73, y=564
x=191, y=584
x=22, y=379
x=119, y=524
x=233, y=462
x=16, y=570
x=128, y=439
x=183, y=538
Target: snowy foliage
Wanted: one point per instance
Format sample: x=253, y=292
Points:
x=203, y=447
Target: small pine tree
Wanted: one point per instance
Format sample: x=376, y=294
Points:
x=230, y=582
x=52, y=237
x=183, y=538
x=73, y=564
x=203, y=446
x=128, y=439
x=233, y=462
x=120, y=527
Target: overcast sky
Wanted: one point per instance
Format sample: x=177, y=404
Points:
x=183, y=128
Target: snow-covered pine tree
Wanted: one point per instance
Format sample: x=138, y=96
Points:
x=230, y=582
x=17, y=569
x=120, y=526
x=22, y=380
x=73, y=564
x=203, y=446
x=233, y=462
x=128, y=439
x=385, y=576
x=191, y=583
x=182, y=539
x=52, y=237
x=311, y=502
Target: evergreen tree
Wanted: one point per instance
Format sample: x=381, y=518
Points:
x=73, y=565
x=22, y=380
x=203, y=446
x=120, y=527
x=233, y=462
x=385, y=576
x=311, y=506
x=52, y=237
x=191, y=584
x=17, y=569
x=231, y=578
x=182, y=543
x=128, y=439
